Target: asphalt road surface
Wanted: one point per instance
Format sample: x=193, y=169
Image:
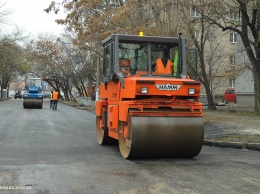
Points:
x=44, y=151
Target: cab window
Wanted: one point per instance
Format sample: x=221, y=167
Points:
x=162, y=57
x=108, y=61
x=137, y=55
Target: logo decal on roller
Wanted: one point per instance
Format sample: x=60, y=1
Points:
x=167, y=87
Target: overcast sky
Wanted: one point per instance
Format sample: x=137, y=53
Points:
x=29, y=16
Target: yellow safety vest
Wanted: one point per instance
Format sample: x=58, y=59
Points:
x=175, y=62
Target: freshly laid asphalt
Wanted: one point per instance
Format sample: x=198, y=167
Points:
x=208, y=139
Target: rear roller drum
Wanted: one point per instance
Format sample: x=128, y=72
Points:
x=102, y=131
x=161, y=137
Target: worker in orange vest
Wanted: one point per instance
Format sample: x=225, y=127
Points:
x=163, y=66
x=55, y=98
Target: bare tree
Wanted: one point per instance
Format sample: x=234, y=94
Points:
x=210, y=50
x=4, y=14
x=247, y=26
x=92, y=21
x=63, y=64
x=11, y=61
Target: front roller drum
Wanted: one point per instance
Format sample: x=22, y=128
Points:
x=162, y=137
x=32, y=103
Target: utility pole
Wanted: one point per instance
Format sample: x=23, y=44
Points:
x=97, y=76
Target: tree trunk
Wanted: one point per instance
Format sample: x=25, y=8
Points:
x=66, y=91
x=257, y=91
x=252, y=54
x=211, y=104
x=1, y=95
x=4, y=84
x=206, y=83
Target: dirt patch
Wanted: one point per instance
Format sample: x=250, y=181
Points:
x=239, y=126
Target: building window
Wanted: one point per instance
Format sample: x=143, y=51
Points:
x=197, y=35
x=233, y=37
x=194, y=12
x=108, y=62
x=231, y=83
x=234, y=15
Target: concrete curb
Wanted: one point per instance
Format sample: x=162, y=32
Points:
x=79, y=107
x=237, y=145
x=86, y=109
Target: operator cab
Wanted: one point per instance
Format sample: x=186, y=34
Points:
x=128, y=55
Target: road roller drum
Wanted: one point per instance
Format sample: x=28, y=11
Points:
x=33, y=98
x=33, y=103
x=162, y=137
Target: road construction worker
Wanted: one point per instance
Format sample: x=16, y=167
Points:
x=55, y=98
x=124, y=66
x=51, y=99
x=163, y=66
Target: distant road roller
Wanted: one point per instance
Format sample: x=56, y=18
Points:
x=148, y=102
x=33, y=98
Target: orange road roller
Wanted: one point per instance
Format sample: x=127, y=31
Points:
x=148, y=102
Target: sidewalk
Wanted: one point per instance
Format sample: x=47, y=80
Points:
x=239, y=129
x=77, y=104
x=223, y=128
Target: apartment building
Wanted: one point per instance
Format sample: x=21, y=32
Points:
x=244, y=81
x=233, y=68
x=219, y=55
x=241, y=78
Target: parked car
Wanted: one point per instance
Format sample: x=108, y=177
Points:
x=230, y=95
x=17, y=94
